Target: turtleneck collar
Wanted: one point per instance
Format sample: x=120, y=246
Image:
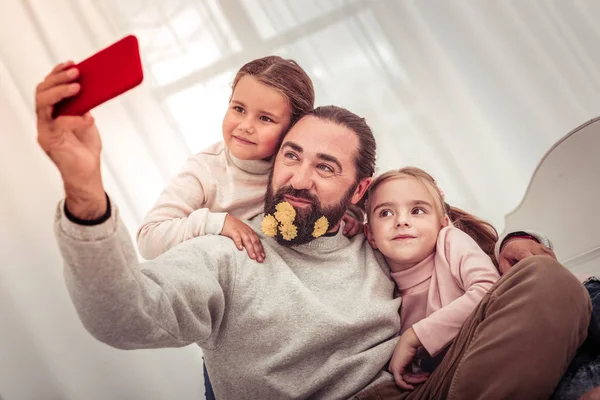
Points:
x=414, y=275
x=255, y=167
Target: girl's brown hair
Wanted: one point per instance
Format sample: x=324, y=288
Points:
x=481, y=231
x=285, y=76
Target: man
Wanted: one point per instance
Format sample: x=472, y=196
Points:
x=318, y=318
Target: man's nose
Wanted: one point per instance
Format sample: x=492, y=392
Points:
x=302, y=179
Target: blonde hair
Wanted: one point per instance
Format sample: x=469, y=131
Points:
x=481, y=231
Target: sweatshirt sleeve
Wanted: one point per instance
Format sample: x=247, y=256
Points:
x=474, y=272
x=180, y=212
x=173, y=301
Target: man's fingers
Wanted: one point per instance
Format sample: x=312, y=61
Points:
x=504, y=264
x=73, y=123
x=527, y=253
x=46, y=95
x=60, y=67
x=82, y=130
x=60, y=125
x=517, y=250
x=48, y=98
x=514, y=255
x=547, y=252
x=57, y=79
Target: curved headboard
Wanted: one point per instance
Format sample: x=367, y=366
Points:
x=563, y=199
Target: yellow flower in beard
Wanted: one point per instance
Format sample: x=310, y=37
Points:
x=285, y=213
x=321, y=226
x=288, y=231
x=269, y=225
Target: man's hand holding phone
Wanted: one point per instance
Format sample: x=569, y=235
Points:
x=72, y=143
x=70, y=137
x=104, y=76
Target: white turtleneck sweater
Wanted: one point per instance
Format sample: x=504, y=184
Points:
x=212, y=184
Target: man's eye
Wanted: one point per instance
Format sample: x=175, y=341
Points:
x=325, y=168
x=290, y=156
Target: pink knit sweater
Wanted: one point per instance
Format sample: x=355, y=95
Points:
x=440, y=292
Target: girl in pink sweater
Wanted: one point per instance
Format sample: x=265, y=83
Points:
x=441, y=272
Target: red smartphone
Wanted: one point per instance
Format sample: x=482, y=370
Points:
x=103, y=76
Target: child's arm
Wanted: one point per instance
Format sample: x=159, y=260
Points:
x=244, y=237
x=354, y=219
x=179, y=212
x=474, y=271
x=405, y=351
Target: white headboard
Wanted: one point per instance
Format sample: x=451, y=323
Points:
x=563, y=199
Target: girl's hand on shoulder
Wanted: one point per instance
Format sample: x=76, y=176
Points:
x=244, y=237
x=352, y=226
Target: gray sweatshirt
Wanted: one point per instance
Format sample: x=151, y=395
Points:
x=312, y=321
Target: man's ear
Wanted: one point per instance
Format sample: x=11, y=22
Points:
x=361, y=189
x=369, y=235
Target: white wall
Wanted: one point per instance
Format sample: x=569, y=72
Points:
x=563, y=197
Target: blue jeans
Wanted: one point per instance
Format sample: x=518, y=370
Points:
x=208, y=390
x=583, y=373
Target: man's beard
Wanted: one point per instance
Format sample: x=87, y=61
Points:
x=306, y=216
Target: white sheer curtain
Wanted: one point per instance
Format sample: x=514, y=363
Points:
x=44, y=351
x=474, y=92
